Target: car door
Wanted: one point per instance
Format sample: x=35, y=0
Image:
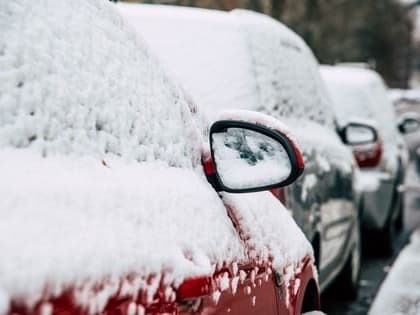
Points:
x=322, y=204
x=251, y=291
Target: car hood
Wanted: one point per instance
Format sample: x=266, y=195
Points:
x=66, y=220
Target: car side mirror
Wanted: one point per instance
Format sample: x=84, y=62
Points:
x=409, y=123
x=358, y=134
x=251, y=157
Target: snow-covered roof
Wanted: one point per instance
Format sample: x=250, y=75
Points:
x=245, y=60
x=99, y=156
x=235, y=59
x=64, y=87
x=361, y=93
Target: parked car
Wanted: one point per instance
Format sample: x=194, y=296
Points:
x=106, y=205
x=246, y=60
x=407, y=105
x=361, y=94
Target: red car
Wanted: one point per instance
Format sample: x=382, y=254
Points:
x=110, y=204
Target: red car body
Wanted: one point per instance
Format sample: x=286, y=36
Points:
x=252, y=288
x=260, y=290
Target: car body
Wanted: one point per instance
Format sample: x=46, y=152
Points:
x=246, y=60
x=407, y=103
x=362, y=94
x=110, y=204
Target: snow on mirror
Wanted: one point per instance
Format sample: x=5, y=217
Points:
x=248, y=159
x=359, y=134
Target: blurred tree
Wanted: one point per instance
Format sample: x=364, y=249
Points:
x=378, y=32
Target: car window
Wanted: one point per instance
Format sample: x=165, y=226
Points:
x=285, y=70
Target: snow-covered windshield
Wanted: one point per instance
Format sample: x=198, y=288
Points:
x=285, y=70
x=350, y=101
x=361, y=93
x=64, y=94
x=235, y=60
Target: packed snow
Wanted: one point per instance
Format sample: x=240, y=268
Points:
x=268, y=233
x=61, y=91
x=100, y=155
x=400, y=292
x=87, y=219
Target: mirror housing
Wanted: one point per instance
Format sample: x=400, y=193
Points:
x=249, y=156
x=356, y=133
x=409, y=123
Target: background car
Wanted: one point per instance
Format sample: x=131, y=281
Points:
x=407, y=105
x=105, y=203
x=246, y=60
x=361, y=94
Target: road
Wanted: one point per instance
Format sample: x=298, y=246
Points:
x=375, y=268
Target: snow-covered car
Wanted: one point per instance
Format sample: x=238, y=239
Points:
x=246, y=60
x=407, y=106
x=361, y=94
x=105, y=200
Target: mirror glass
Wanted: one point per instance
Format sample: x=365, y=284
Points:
x=359, y=134
x=248, y=159
x=411, y=125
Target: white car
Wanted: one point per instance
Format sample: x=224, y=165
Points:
x=361, y=94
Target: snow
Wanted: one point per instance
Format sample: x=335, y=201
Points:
x=361, y=93
x=109, y=220
x=399, y=96
x=244, y=60
x=309, y=183
x=245, y=159
x=330, y=151
x=205, y=49
x=400, y=292
x=235, y=59
x=270, y=232
x=286, y=72
x=81, y=83
x=100, y=160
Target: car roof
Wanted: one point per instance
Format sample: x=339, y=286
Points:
x=237, y=59
x=362, y=93
x=68, y=94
